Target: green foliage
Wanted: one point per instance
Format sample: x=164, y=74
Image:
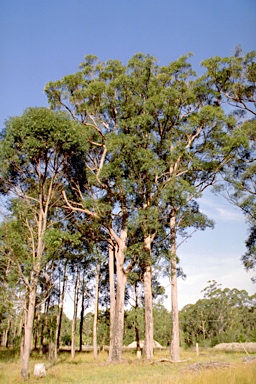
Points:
x=231, y=80
x=240, y=186
x=222, y=316
x=162, y=325
x=133, y=319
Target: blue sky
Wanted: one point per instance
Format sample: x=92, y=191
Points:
x=43, y=40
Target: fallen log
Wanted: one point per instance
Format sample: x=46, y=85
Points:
x=211, y=365
x=165, y=360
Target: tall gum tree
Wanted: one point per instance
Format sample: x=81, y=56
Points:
x=35, y=149
x=232, y=81
x=89, y=96
x=195, y=141
x=107, y=99
x=155, y=139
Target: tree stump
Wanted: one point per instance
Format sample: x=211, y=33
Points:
x=39, y=370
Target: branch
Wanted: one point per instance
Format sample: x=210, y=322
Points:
x=77, y=209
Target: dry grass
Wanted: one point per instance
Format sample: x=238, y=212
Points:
x=211, y=367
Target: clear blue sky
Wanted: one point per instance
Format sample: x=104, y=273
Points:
x=43, y=40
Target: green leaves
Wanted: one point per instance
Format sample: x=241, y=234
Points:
x=156, y=136
x=223, y=315
x=240, y=182
x=232, y=80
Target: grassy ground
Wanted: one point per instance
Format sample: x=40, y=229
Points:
x=211, y=367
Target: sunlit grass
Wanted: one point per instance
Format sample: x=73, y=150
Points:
x=84, y=369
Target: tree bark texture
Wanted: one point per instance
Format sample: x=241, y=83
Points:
x=111, y=251
x=118, y=326
x=28, y=332
x=95, y=318
x=136, y=328
x=6, y=332
x=115, y=352
x=175, y=340
x=148, y=349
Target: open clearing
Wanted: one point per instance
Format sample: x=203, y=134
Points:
x=210, y=367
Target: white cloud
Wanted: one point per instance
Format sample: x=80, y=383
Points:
x=216, y=207
x=229, y=214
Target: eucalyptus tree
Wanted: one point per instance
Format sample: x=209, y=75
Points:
x=231, y=81
x=191, y=138
x=10, y=303
x=171, y=143
x=239, y=188
x=156, y=139
x=104, y=98
x=36, y=149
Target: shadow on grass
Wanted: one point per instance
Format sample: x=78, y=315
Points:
x=12, y=354
x=9, y=354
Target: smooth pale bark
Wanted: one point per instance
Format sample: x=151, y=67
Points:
x=137, y=334
x=115, y=351
x=28, y=332
x=95, y=318
x=6, y=332
x=112, y=295
x=118, y=326
x=175, y=339
x=30, y=313
x=148, y=350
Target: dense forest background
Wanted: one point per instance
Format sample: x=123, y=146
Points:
x=221, y=316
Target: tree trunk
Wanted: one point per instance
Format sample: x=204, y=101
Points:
x=148, y=349
x=112, y=295
x=36, y=329
x=41, y=346
x=95, y=319
x=137, y=334
x=73, y=330
x=81, y=325
x=28, y=331
x=44, y=328
x=115, y=352
x=175, y=341
x=81, y=317
x=60, y=313
x=6, y=332
x=118, y=328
